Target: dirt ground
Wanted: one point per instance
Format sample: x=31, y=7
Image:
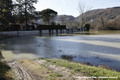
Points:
x=40, y=70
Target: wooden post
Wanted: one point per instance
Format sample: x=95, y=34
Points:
x=52, y=32
x=40, y=32
x=56, y=31
x=64, y=30
x=67, y=30
x=49, y=32
x=17, y=34
x=71, y=30
x=61, y=31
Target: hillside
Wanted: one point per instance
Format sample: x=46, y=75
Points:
x=64, y=19
x=109, y=13
x=99, y=19
x=107, y=16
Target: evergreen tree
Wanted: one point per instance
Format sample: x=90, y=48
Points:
x=47, y=15
x=24, y=10
x=5, y=13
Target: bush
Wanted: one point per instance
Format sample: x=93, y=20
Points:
x=87, y=27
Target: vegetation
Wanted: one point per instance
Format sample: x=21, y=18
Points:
x=40, y=70
x=19, y=12
x=65, y=19
x=103, y=19
x=24, y=10
x=6, y=72
x=87, y=26
x=56, y=69
x=85, y=69
x=4, y=37
x=82, y=8
x=5, y=13
x=48, y=15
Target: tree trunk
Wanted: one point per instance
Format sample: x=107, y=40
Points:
x=26, y=15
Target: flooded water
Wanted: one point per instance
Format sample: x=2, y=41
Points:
x=94, y=49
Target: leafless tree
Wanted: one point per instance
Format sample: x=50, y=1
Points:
x=62, y=20
x=102, y=21
x=82, y=8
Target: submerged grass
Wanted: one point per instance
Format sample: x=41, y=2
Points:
x=4, y=37
x=85, y=69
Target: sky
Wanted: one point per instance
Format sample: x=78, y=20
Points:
x=70, y=7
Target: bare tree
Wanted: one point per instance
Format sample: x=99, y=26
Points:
x=102, y=21
x=82, y=8
x=62, y=20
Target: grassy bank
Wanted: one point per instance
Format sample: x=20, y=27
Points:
x=85, y=69
x=40, y=71
x=55, y=69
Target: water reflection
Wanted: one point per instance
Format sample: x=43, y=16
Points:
x=67, y=57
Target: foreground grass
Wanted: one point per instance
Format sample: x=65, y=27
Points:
x=6, y=72
x=40, y=71
x=85, y=69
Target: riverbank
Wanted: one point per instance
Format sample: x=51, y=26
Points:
x=57, y=69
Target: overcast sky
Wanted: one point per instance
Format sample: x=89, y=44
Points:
x=69, y=7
